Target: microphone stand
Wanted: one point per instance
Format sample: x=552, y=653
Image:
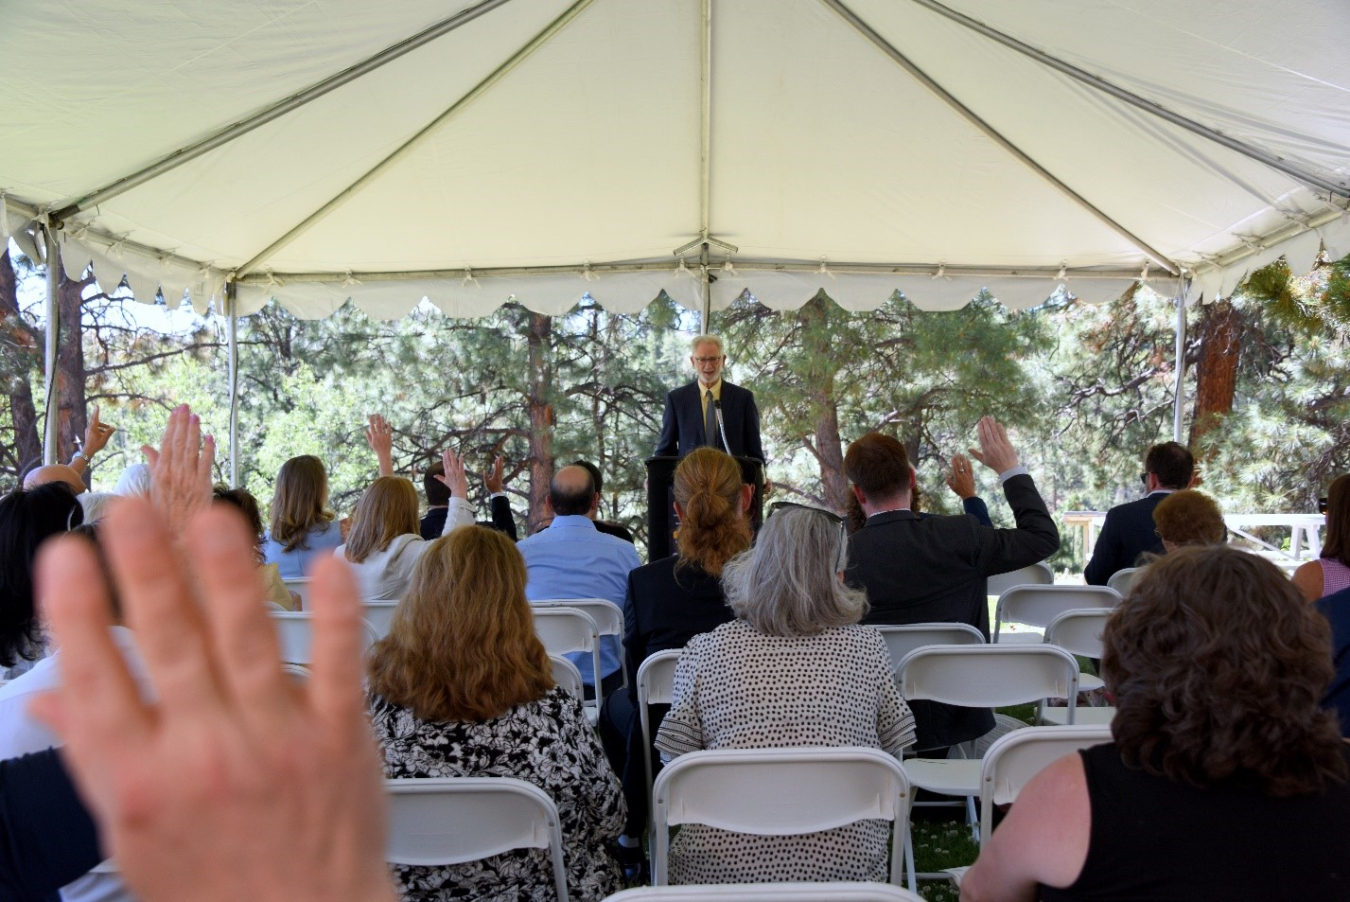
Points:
x=721, y=426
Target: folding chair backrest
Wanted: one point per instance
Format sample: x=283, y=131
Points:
x=903, y=639
x=379, y=614
x=1079, y=631
x=779, y=792
x=607, y=615
x=1032, y=575
x=655, y=686
x=451, y=820
x=300, y=586
x=1038, y=605
x=568, y=678
x=769, y=892
x=564, y=630
x=1121, y=580
x=295, y=632
x=989, y=676
x=1016, y=757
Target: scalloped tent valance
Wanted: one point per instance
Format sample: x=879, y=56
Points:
x=317, y=151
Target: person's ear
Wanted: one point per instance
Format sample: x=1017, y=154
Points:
x=747, y=499
x=548, y=505
x=913, y=479
x=595, y=504
x=679, y=511
x=858, y=493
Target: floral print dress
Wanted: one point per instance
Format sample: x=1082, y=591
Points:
x=547, y=742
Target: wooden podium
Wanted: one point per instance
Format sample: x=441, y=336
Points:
x=661, y=522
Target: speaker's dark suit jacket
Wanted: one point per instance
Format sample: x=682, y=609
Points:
x=1127, y=533
x=682, y=423
x=932, y=570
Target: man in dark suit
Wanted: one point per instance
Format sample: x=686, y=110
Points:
x=933, y=569
x=1129, y=531
x=691, y=417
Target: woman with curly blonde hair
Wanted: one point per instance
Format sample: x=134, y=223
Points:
x=462, y=687
x=1226, y=779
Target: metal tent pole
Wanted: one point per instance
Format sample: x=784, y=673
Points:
x=1179, y=394
x=232, y=338
x=51, y=432
x=705, y=314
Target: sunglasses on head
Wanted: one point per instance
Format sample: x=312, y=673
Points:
x=831, y=516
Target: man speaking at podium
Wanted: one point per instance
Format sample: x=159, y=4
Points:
x=709, y=411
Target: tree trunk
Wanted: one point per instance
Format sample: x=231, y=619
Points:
x=72, y=414
x=822, y=366
x=25, y=341
x=541, y=417
x=1216, y=373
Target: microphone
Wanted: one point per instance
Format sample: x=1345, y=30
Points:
x=721, y=426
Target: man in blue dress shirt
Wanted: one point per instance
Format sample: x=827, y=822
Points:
x=572, y=559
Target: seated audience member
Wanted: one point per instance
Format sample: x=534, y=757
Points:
x=961, y=481
x=608, y=527
x=793, y=669
x=28, y=517
x=198, y=799
x=438, y=501
x=1330, y=573
x=301, y=529
x=96, y=435
x=1221, y=749
x=672, y=600
x=1336, y=608
x=1128, y=531
x=572, y=559
x=1189, y=517
x=384, y=544
x=95, y=504
x=933, y=569
x=182, y=489
x=462, y=687
x=246, y=504
x=134, y=480
x=46, y=835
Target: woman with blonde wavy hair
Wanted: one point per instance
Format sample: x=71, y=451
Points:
x=462, y=687
x=386, y=539
x=672, y=600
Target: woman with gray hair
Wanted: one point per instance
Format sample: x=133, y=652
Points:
x=793, y=669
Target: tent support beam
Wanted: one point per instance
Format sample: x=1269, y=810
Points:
x=1179, y=393
x=295, y=101
x=51, y=428
x=421, y=136
x=878, y=269
x=1148, y=106
x=232, y=337
x=994, y=135
x=705, y=286
x=705, y=125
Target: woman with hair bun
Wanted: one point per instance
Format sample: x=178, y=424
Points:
x=672, y=600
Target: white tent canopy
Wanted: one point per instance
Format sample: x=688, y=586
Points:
x=320, y=150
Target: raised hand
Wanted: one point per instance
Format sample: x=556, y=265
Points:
x=996, y=452
x=96, y=435
x=234, y=784
x=492, y=479
x=380, y=438
x=180, y=470
x=962, y=478
x=454, y=477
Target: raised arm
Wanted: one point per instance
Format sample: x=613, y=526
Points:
x=380, y=438
x=456, y=480
x=96, y=435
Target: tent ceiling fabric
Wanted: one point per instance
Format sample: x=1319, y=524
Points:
x=586, y=149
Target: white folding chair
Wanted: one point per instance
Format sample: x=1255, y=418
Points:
x=1016, y=757
x=1079, y=632
x=295, y=632
x=768, y=892
x=655, y=686
x=904, y=638
x=379, y=614
x=451, y=820
x=607, y=615
x=1038, y=605
x=568, y=678
x=980, y=676
x=780, y=792
x=564, y=630
x=300, y=586
x=1032, y=575
x=1121, y=580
